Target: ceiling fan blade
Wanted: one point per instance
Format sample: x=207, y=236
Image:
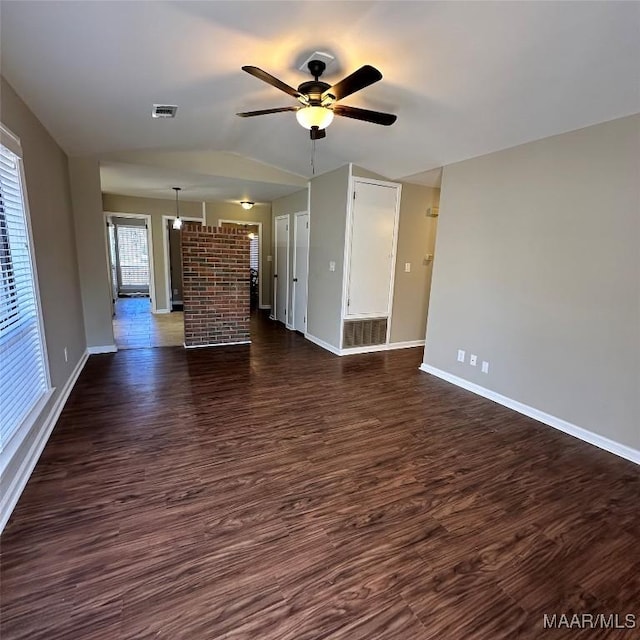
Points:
x=263, y=112
x=359, y=79
x=273, y=81
x=317, y=134
x=377, y=117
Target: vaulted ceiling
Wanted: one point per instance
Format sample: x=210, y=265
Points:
x=464, y=78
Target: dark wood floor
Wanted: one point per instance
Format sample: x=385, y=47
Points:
x=277, y=492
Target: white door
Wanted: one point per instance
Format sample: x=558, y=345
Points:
x=300, y=271
x=372, y=238
x=281, y=275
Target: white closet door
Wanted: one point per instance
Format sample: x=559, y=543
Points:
x=371, y=249
x=300, y=271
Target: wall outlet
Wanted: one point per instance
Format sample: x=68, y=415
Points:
x=461, y=355
x=269, y=258
x=66, y=355
x=473, y=360
x=332, y=265
x=485, y=366
x=407, y=267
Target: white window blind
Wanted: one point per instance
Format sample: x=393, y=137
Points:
x=23, y=376
x=253, y=253
x=133, y=256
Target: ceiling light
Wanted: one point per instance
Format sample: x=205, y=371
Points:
x=251, y=235
x=245, y=204
x=177, y=223
x=309, y=117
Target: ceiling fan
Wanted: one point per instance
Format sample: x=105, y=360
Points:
x=318, y=99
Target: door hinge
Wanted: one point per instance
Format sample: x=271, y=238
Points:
x=307, y=225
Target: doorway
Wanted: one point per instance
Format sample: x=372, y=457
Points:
x=300, y=270
x=281, y=275
x=254, y=232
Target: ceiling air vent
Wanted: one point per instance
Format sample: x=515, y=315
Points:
x=164, y=110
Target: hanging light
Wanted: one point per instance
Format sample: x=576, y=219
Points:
x=314, y=116
x=246, y=204
x=177, y=223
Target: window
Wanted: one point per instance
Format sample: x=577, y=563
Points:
x=133, y=256
x=253, y=252
x=23, y=374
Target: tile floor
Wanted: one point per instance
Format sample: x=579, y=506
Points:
x=135, y=327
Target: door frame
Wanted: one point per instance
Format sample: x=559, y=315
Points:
x=296, y=217
x=167, y=264
x=152, y=279
x=221, y=221
x=347, y=251
x=287, y=217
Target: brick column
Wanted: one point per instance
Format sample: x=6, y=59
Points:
x=215, y=272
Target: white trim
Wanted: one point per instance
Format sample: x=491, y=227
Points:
x=10, y=140
x=161, y=311
x=271, y=316
x=152, y=274
x=12, y=494
x=617, y=448
x=215, y=344
x=106, y=348
x=322, y=343
x=165, y=252
x=275, y=267
x=294, y=289
x=352, y=351
x=259, y=225
x=264, y=306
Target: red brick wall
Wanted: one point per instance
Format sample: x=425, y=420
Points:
x=215, y=272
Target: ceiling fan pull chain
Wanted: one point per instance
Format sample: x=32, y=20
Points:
x=313, y=157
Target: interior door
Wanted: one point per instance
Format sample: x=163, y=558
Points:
x=300, y=271
x=281, y=275
x=371, y=249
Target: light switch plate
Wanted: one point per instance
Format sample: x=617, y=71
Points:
x=407, y=267
x=461, y=354
x=332, y=265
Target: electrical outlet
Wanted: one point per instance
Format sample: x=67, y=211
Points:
x=461, y=355
x=66, y=355
x=473, y=360
x=332, y=265
x=485, y=366
x=407, y=267
x=269, y=258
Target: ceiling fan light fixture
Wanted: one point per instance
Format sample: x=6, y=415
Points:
x=246, y=204
x=314, y=116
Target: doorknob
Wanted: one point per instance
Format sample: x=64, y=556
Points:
x=295, y=279
x=275, y=275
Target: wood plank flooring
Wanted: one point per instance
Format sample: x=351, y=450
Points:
x=277, y=492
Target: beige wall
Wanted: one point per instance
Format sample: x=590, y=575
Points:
x=416, y=239
x=538, y=272
x=288, y=205
x=328, y=198
x=48, y=194
x=215, y=211
x=90, y=227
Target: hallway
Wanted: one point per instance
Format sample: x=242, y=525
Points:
x=135, y=327
x=274, y=491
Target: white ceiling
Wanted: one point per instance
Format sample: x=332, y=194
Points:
x=465, y=78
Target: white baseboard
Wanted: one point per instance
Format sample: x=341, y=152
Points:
x=322, y=343
x=290, y=327
x=215, y=344
x=370, y=349
x=264, y=306
x=105, y=348
x=161, y=311
x=617, y=448
x=11, y=496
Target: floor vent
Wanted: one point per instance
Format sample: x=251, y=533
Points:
x=364, y=333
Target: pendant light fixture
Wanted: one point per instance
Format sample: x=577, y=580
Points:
x=246, y=204
x=177, y=223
